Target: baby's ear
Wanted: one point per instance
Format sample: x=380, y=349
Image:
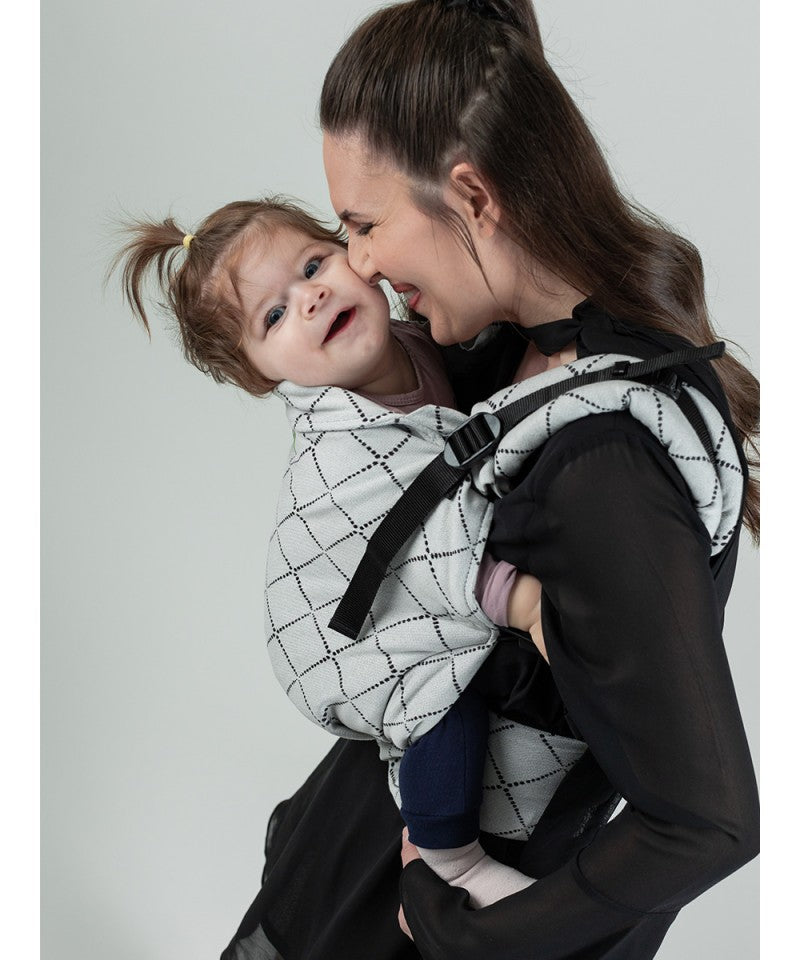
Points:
x=472, y=195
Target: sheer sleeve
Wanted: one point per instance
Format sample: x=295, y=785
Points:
x=632, y=623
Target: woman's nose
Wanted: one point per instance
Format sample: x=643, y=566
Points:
x=360, y=260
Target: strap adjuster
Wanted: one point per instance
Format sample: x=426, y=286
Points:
x=473, y=441
x=669, y=383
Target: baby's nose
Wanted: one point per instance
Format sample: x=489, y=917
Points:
x=314, y=300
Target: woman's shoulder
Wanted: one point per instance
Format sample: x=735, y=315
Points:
x=608, y=451
x=597, y=477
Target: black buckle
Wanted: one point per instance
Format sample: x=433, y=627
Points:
x=473, y=441
x=669, y=383
x=620, y=368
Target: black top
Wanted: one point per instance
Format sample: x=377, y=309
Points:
x=632, y=617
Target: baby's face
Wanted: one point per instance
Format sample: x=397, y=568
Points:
x=309, y=318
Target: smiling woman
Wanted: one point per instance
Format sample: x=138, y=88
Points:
x=442, y=271
x=166, y=742
x=469, y=180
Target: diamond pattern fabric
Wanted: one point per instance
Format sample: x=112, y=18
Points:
x=426, y=635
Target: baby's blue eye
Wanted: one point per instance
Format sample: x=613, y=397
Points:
x=311, y=268
x=274, y=315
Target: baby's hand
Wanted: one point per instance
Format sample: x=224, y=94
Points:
x=525, y=608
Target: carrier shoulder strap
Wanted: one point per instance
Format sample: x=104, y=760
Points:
x=472, y=443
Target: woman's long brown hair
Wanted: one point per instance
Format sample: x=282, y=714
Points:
x=426, y=84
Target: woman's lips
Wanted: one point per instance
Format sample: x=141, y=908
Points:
x=412, y=294
x=341, y=322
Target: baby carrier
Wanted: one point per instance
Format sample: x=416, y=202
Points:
x=372, y=623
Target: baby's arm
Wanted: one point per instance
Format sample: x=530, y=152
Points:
x=525, y=608
x=511, y=598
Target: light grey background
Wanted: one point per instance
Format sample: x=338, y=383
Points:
x=166, y=741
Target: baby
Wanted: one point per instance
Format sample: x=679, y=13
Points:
x=263, y=293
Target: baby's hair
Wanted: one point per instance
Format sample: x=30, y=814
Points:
x=196, y=273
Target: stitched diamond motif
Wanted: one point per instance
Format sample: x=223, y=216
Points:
x=426, y=635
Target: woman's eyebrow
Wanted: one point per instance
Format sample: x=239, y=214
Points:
x=350, y=215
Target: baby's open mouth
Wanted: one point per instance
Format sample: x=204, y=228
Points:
x=341, y=321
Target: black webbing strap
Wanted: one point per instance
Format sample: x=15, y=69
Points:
x=622, y=370
x=693, y=415
x=472, y=443
x=435, y=481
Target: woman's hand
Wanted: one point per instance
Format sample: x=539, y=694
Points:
x=525, y=608
x=408, y=853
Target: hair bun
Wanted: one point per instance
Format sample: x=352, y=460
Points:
x=500, y=11
x=482, y=8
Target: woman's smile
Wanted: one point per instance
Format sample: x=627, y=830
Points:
x=411, y=293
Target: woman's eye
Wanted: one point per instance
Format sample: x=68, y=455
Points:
x=274, y=315
x=365, y=230
x=311, y=267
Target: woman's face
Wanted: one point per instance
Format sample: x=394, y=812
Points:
x=391, y=238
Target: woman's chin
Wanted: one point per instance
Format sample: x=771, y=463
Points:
x=446, y=333
x=442, y=331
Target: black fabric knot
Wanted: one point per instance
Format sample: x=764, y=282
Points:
x=596, y=331
x=588, y=324
x=552, y=337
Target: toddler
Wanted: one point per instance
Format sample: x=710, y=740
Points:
x=263, y=293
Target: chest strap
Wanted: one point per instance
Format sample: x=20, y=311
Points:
x=474, y=442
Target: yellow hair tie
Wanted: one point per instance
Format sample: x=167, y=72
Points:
x=188, y=239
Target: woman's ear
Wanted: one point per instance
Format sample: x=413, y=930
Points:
x=474, y=198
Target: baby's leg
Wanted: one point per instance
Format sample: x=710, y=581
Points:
x=441, y=784
x=486, y=880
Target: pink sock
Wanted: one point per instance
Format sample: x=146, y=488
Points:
x=471, y=867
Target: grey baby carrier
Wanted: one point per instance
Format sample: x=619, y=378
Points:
x=372, y=623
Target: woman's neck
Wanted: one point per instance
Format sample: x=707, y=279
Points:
x=541, y=297
x=542, y=301
x=526, y=291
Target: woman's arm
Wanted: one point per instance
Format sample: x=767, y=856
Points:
x=632, y=625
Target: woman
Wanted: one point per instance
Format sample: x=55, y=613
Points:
x=468, y=179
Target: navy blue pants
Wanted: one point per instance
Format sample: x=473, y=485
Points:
x=441, y=777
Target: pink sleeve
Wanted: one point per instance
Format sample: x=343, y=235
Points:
x=492, y=587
